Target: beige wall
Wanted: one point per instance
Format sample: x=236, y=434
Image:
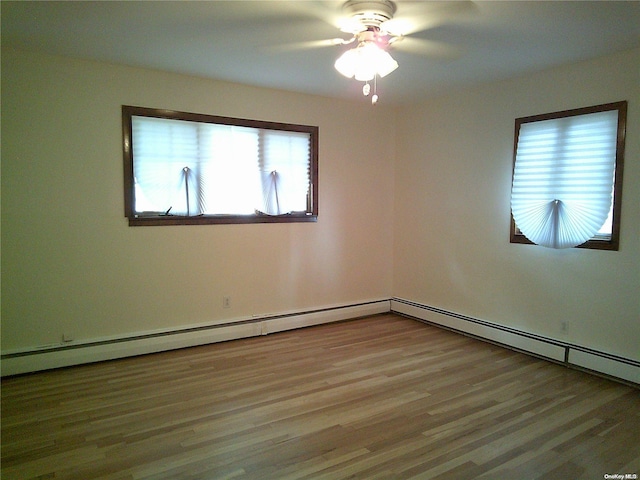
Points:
x=437, y=234
x=70, y=262
x=452, y=249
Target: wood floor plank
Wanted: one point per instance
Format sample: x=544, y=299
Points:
x=384, y=397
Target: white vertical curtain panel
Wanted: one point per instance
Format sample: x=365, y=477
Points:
x=563, y=178
x=193, y=168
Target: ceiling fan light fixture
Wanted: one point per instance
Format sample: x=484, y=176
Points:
x=365, y=62
x=385, y=63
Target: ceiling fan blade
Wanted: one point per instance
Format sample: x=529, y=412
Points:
x=351, y=25
x=413, y=17
x=428, y=48
x=400, y=26
x=308, y=45
x=329, y=12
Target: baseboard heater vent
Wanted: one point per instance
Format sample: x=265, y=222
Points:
x=568, y=354
x=95, y=350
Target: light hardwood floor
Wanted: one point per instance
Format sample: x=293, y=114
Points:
x=381, y=397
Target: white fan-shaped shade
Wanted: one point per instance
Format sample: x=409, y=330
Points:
x=563, y=178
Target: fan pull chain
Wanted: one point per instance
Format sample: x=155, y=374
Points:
x=374, y=99
x=366, y=89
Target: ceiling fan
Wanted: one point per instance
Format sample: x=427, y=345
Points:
x=378, y=26
x=367, y=22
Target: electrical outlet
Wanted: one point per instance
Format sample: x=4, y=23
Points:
x=564, y=326
x=226, y=302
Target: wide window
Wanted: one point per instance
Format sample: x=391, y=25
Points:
x=567, y=178
x=184, y=168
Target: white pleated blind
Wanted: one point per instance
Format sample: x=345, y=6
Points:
x=285, y=178
x=161, y=151
x=563, y=178
x=195, y=168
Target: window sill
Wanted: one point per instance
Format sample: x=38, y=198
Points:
x=593, y=244
x=164, y=220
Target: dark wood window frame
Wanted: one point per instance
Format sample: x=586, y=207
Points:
x=595, y=243
x=135, y=219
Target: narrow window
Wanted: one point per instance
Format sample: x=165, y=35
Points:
x=567, y=178
x=188, y=169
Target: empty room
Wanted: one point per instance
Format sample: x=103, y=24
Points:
x=320, y=240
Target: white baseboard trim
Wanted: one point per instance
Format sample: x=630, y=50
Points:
x=568, y=354
x=595, y=362
x=100, y=349
x=140, y=343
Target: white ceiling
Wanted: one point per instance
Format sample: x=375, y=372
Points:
x=269, y=43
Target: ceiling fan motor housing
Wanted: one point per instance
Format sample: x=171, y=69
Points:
x=370, y=13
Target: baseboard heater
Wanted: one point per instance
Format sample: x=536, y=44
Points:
x=76, y=353
x=568, y=354
x=100, y=349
